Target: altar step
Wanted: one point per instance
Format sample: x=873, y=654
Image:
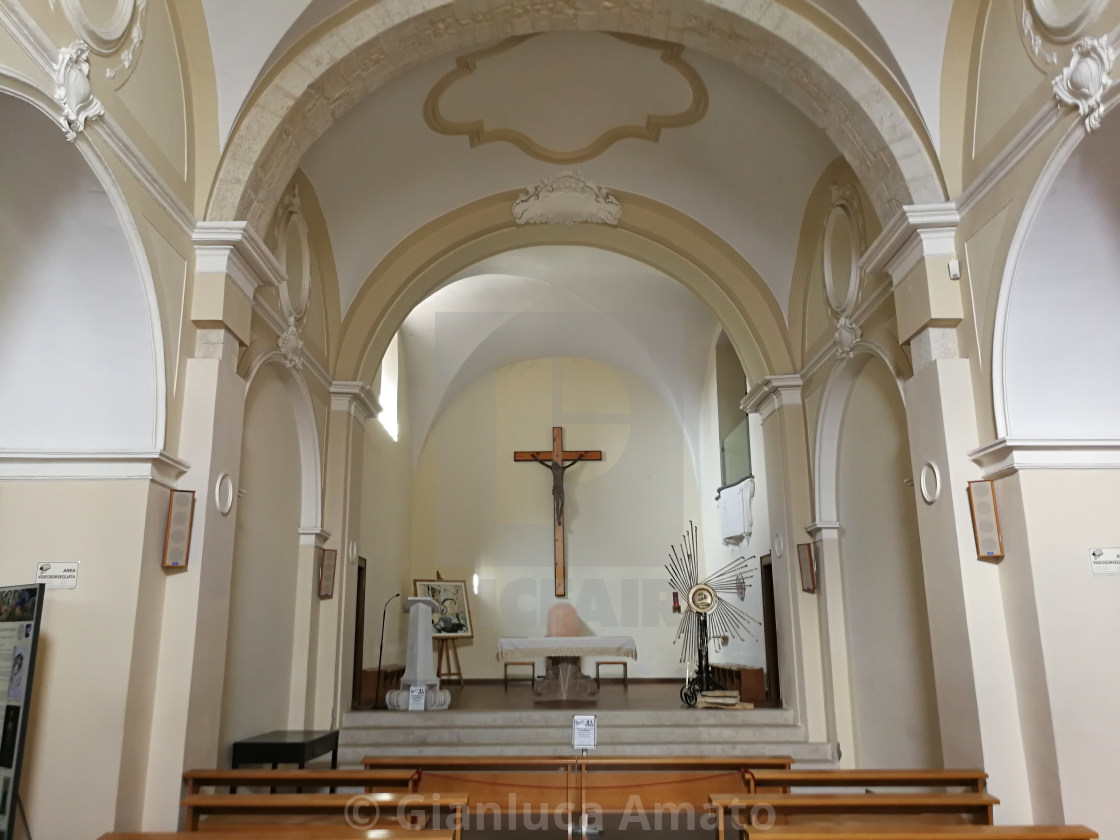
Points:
x=690, y=732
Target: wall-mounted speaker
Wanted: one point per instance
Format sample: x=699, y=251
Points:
x=985, y=520
x=180, y=516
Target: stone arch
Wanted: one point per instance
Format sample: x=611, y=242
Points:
x=311, y=472
x=118, y=341
x=1056, y=294
x=649, y=232
x=826, y=460
x=805, y=56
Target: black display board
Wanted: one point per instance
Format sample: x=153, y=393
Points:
x=20, y=610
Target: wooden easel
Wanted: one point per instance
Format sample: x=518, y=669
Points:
x=447, y=649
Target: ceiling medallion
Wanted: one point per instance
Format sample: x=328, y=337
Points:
x=567, y=198
x=477, y=132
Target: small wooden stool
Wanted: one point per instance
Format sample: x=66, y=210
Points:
x=532, y=666
x=621, y=662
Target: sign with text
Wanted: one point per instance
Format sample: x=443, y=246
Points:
x=1105, y=561
x=417, y=696
x=57, y=575
x=585, y=732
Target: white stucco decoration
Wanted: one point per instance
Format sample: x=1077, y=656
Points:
x=846, y=335
x=843, y=239
x=1064, y=20
x=72, y=89
x=292, y=235
x=929, y=482
x=566, y=199
x=223, y=494
x=1085, y=80
x=1032, y=40
x=291, y=345
x=108, y=31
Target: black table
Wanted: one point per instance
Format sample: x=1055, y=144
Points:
x=281, y=746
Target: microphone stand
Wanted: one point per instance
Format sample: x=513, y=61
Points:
x=380, y=650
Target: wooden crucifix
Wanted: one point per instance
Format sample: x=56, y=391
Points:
x=559, y=460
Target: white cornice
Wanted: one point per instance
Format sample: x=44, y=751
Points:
x=1006, y=456
x=772, y=393
x=313, y=536
x=917, y=230
x=819, y=528
x=106, y=465
x=235, y=249
x=356, y=398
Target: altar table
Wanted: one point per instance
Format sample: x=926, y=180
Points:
x=564, y=680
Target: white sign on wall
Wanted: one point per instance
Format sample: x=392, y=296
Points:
x=585, y=732
x=417, y=696
x=57, y=575
x=1105, y=561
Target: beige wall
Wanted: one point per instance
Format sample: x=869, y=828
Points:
x=476, y=510
x=262, y=599
x=891, y=663
x=94, y=646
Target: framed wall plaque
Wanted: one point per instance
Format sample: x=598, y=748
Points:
x=807, y=567
x=328, y=563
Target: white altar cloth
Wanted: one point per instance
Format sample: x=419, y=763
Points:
x=520, y=648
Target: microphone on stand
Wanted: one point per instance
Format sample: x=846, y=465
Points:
x=380, y=650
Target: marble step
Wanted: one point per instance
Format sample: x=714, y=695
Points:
x=805, y=754
x=563, y=717
x=545, y=735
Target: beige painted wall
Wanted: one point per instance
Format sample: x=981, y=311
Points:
x=92, y=639
x=262, y=598
x=476, y=510
x=891, y=662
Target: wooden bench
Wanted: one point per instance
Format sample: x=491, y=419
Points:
x=532, y=666
x=337, y=805
x=974, y=781
x=787, y=807
x=297, y=832
x=917, y=831
x=195, y=780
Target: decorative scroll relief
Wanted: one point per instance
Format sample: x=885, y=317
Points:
x=567, y=198
x=1032, y=40
x=72, y=89
x=1085, y=80
x=1063, y=20
x=846, y=335
x=120, y=29
x=294, y=256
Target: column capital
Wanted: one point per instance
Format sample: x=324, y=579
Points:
x=819, y=529
x=236, y=250
x=356, y=398
x=772, y=393
x=916, y=231
x=314, y=536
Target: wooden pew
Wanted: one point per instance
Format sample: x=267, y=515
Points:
x=299, y=832
x=917, y=831
x=233, y=779
x=335, y=805
x=974, y=781
x=801, y=807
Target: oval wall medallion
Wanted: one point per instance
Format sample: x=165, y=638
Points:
x=929, y=483
x=779, y=545
x=841, y=259
x=223, y=494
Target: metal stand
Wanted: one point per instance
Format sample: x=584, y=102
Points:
x=381, y=650
x=703, y=679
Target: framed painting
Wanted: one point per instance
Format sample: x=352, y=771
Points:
x=453, y=620
x=328, y=563
x=808, y=568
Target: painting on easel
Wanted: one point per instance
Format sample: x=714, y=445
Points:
x=453, y=621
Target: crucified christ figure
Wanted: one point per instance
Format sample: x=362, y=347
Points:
x=557, y=483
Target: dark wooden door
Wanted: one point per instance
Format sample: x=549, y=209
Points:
x=770, y=633
x=359, y=635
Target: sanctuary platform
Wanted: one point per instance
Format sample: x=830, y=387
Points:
x=644, y=719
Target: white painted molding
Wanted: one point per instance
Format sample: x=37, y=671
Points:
x=567, y=198
x=1006, y=456
x=356, y=398
x=772, y=393
x=1085, y=80
x=817, y=529
x=917, y=230
x=104, y=465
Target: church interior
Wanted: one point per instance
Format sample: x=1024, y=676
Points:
x=297, y=297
